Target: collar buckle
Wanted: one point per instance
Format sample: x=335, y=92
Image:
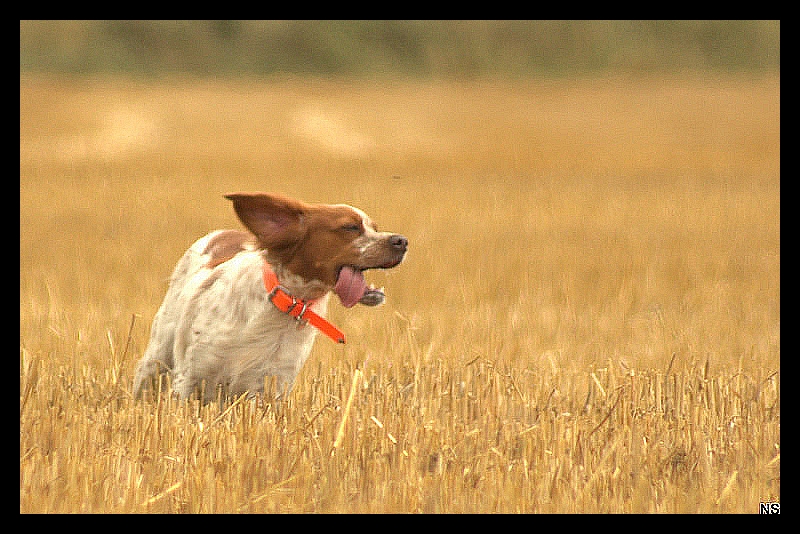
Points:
x=280, y=297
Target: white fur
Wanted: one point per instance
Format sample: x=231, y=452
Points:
x=217, y=325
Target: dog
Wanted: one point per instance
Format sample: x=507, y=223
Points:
x=246, y=305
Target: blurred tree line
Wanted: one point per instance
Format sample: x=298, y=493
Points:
x=460, y=49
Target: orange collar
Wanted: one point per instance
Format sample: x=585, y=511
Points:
x=299, y=309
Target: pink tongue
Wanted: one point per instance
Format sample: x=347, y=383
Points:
x=350, y=286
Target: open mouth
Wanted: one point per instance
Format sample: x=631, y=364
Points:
x=352, y=288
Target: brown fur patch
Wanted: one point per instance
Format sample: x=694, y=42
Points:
x=227, y=244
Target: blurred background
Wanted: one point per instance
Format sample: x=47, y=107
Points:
x=460, y=49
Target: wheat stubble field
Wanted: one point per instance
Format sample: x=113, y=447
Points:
x=588, y=319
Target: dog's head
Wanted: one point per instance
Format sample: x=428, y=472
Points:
x=326, y=246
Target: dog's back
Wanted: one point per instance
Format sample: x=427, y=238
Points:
x=158, y=357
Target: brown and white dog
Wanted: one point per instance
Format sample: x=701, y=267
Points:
x=242, y=306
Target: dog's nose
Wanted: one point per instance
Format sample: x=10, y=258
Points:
x=398, y=242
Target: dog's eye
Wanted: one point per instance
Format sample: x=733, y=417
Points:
x=352, y=228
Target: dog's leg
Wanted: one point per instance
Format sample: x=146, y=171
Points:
x=159, y=357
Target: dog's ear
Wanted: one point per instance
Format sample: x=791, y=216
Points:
x=277, y=221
